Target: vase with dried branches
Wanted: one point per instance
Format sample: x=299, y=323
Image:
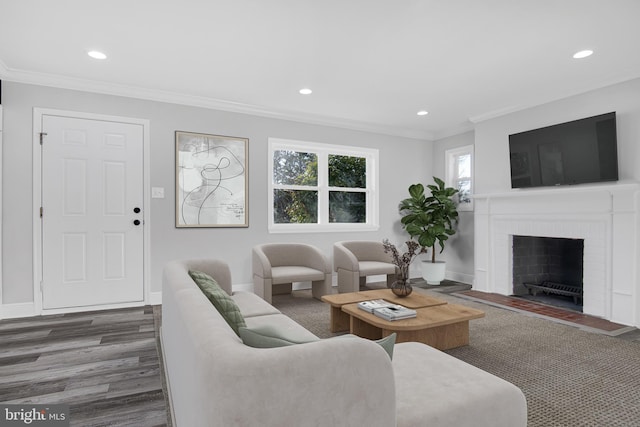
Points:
x=401, y=286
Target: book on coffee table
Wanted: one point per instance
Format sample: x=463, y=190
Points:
x=394, y=312
x=386, y=310
x=374, y=304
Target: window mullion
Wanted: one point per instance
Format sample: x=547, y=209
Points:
x=348, y=189
x=323, y=187
x=295, y=187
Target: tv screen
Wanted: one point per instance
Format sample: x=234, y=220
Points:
x=575, y=152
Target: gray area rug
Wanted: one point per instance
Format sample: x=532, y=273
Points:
x=570, y=377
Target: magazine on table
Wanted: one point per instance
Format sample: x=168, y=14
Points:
x=374, y=304
x=396, y=312
x=387, y=310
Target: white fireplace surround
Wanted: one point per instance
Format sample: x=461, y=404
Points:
x=604, y=215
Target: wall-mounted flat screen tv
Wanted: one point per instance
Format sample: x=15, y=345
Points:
x=576, y=152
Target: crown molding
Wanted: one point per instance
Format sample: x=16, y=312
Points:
x=106, y=88
x=455, y=130
x=498, y=113
x=536, y=102
x=4, y=70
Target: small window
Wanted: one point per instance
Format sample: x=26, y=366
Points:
x=317, y=187
x=459, y=174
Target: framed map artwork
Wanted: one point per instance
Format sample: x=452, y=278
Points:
x=211, y=180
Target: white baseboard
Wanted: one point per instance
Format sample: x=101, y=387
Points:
x=244, y=287
x=80, y=309
x=377, y=278
x=248, y=287
x=155, y=298
x=460, y=277
x=22, y=309
x=28, y=309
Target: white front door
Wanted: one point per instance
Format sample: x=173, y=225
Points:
x=92, y=212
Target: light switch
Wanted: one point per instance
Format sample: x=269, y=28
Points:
x=157, y=192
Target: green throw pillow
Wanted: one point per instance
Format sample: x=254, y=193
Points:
x=269, y=337
x=387, y=343
x=220, y=299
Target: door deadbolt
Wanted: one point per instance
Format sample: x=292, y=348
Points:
x=136, y=210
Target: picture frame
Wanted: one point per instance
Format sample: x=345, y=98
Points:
x=211, y=179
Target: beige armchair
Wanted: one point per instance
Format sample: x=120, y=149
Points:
x=277, y=265
x=355, y=260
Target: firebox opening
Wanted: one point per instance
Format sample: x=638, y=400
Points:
x=549, y=270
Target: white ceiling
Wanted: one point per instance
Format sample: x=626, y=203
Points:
x=372, y=64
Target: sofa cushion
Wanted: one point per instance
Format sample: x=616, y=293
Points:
x=370, y=268
x=268, y=336
x=251, y=304
x=284, y=324
x=424, y=374
x=220, y=299
x=295, y=273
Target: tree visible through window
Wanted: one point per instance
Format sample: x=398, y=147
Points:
x=295, y=171
x=321, y=184
x=459, y=173
x=347, y=185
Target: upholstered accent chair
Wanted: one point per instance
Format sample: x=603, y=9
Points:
x=277, y=265
x=355, y=260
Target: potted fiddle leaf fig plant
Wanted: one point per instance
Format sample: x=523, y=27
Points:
x=430, y=219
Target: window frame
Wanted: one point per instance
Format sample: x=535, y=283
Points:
x=323, y=151
x=451, y=156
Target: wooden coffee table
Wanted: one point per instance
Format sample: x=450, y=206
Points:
x=442, y=326
x=438, y=324
x=340, y=320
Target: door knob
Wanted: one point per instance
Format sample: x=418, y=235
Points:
x=136, y=222
x=136, y=210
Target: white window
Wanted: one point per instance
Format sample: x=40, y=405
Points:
x=321, y=187
x=459, y=175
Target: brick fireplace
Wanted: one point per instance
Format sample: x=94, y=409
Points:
x=604, y=217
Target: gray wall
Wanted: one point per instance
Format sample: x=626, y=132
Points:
x=458, y=251
x=492, y=136
x=403, y=161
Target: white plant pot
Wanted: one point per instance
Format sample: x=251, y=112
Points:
x=433, y=273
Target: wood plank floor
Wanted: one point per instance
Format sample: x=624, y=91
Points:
x=104, y=364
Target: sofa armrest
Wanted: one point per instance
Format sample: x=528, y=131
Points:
x=176, y=271
x=344, y=259
x=260, y=263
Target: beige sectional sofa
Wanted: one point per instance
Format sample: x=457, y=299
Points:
x=216, y=380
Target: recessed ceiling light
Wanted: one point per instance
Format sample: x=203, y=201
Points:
x=423, y=113
x=582, y=54
x=306, y=91
x=95, y=54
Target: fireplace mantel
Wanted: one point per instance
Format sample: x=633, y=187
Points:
x=604, y=215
